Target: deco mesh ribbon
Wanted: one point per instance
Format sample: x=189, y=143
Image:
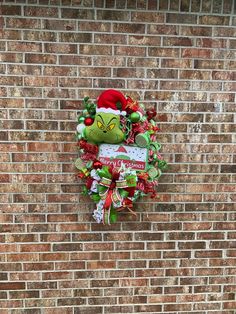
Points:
x=119, y=157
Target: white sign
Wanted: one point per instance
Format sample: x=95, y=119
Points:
x=131, y=156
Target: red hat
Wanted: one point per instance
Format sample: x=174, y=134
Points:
x=112, y=101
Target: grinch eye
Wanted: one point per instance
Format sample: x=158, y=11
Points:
x=111, y=127
x=100, y=125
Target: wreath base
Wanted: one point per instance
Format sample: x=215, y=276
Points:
x=128, y=165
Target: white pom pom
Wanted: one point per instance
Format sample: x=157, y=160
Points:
x=80, y=128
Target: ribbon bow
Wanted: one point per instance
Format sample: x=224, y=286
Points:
x=111, y=195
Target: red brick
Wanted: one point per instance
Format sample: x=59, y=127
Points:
x=12, y=286
x=46, y=147
x=196, y=53
x=214, y=20
x=197, y=226
x=94, y=26
x=177, y=254
x=159, y=264
x=130, y=51
x=4, y=178
x=177, y=41
x=132, y=299
x=224, y=32
x=67, y=247
x=108, y=83
x=129, y=28
x=136, y=226
x=19, y=22
x=101, y=264
x=98, y=246
x=70, y=301
x=22, y=257
x=162, y=299
x=167, y=85
x=180, y=18
x=177, y=307
x=147, y=16
x=40, y=58
x=11, y=304
x=34, y=248
x=25, y=46
x=163, y=29
x=210, y=235
x=97, y=72
x=75, y=60
x=76, y=37
x=95, y=50
x=212, y=43
x=128, y=72
x=41, y=11
x=112, y=15
x=3, y=92
x=146, y=255
x=10, y=10
x=10, y=34
x=194, y=263
x=208, y=64
x=11, y=57
x=104, y=283
x=99, y=301
x=163, y=52
x=77, y=13
x=59, y=93
x=70, y=265
x=38, y=266
x=59, y=71
x=3, y=48
x=229, y=305
x=113, y=39
x=87, y=309
x=131, y=264
x=39, y=36
x=59, y=24
x=24, y=69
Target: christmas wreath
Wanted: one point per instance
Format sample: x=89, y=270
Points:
x=118, y=153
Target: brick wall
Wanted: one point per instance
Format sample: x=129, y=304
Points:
x=178, y=256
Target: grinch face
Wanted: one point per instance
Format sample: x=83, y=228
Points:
x=105, y=129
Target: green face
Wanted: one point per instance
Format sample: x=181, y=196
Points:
x=105, y=129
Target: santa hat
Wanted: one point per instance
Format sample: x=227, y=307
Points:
x=112, y=101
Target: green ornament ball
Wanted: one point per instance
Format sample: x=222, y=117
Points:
x=135, y=117
x=81, y=119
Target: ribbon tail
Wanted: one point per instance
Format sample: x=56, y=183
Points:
x=116, y=198
x=129, y=209
x=132, y=212
x=107, y=207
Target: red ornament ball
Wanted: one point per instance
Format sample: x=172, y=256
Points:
x=88, y=121
x=97, y=164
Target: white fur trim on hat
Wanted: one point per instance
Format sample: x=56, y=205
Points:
x=110, y=110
